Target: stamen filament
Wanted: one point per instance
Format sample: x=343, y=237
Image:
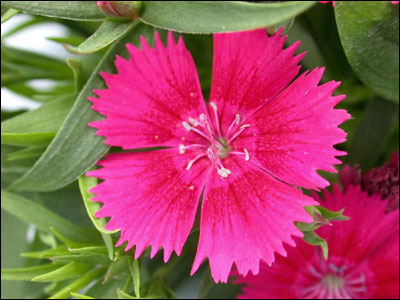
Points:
x=191, y=128
x=191, y=162
x=235, y=122
x=243, y=127
x=217, y=125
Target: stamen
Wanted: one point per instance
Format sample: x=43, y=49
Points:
x=243, y=127
x=194, y=122
x=191, y=162
x=246, y=155
x=224, y=172
x=214, y=106
x=186, y=126
x=181, y=149
x=190, y=128
x=235, y=122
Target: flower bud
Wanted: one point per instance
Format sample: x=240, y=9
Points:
x=121, y=9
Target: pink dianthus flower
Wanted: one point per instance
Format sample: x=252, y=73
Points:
x=383, y=180
x=259, y=137
x=363, y=260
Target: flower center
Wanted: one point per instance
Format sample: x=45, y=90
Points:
x=335, y=283
x=217, y=145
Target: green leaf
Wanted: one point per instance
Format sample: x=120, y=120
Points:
x=27, y=273
x=135, y=273
x=91, y=259
x=373, y=133
x=108, y=32
x=19, y=65
x=123, y=295
x=68, y=271
x=116, y=267
x=85, y=184
x=29, y=152
x=73, y=10
x=48, y=253
x=8, y=15
x=33, y=213
x=76, y=68
x=80, y=296
x=78, y=284
x=218, y=16
x=36, y=127
x=313, y=239
x=76, y=148
x=322, y=216
x=369, y=32
x=90, y=250
x=207, y=282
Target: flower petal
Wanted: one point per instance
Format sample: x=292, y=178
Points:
x=245, y=218
x=293, y=134
x=250, y=68
x=151, y=95
x=151, y=197
x=370, y=227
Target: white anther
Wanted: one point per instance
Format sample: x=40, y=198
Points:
x=214, y=106
x=181, y=148
x=224, y=172
x=244, y=126
x=186, y=126
x=194, y=122
x=237, y=119
x=190, y=164
x=246, y=155
x=203, y=118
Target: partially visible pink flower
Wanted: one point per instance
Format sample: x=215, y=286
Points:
x=324, y=2
x=363, y=260
x=395, y=2
x=350, y=175
x=383, y=180
x=262, y=134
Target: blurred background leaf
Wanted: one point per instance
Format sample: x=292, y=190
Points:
x=370, y=37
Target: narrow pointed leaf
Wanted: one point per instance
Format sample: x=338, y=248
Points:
x=36, y=127
x=68, y=271
x=90, y=250
x=123, y=295
x=135, y=273
x=73, y=10
x=85, y=184
x=33, y=213
x=80, y=296
x=219, y=16
x=313, y=239
x=76, y=68
x=8, y=14
x=107, y=33
x=78, y=284
x=47, y=253
x=76, y=148
x=27, y=273
x=29, y=152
